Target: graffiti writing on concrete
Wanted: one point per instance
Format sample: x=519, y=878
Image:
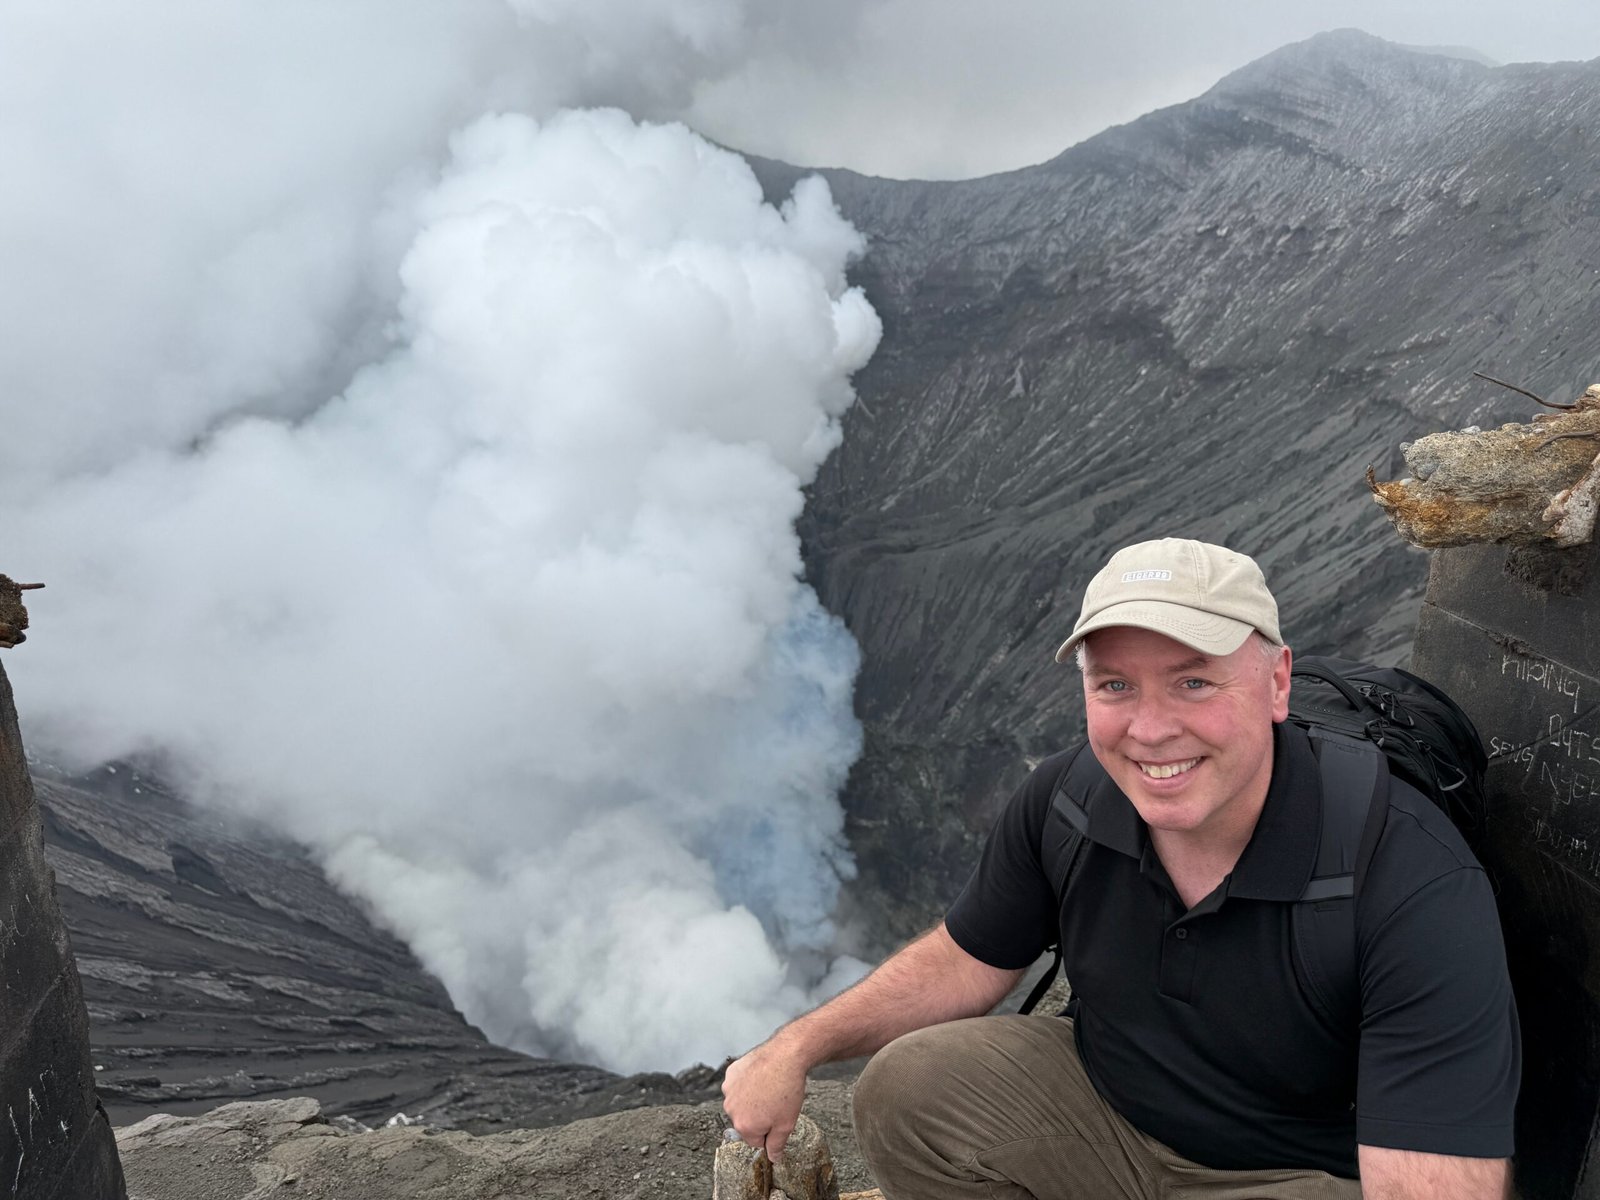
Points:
x=1540, y=674
x=1579, y=852
x=1563, y=760
x=1554, y=744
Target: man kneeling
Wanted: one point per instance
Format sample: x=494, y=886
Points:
x=1191, y=1062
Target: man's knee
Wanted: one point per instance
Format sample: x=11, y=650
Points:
x=1001, y=1074
x=900, y=1105
x=919, y=1083
x=883, y=1091
x=935, y=1110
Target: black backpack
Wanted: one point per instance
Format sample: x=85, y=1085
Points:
x=1365, y=724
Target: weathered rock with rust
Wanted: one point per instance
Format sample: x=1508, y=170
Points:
x=13, y=616
x=1533, y=484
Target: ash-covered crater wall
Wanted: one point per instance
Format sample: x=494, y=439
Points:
x=1204, y=323
x=220, y=964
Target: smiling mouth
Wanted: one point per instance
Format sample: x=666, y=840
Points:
x=1168, y=770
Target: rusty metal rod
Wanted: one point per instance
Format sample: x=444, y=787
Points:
x=1522, y=391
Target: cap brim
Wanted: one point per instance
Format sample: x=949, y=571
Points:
x=1202, y=631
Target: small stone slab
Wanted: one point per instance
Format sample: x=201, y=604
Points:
x=806, y=1172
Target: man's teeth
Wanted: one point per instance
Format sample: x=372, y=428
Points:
x=1167, y=770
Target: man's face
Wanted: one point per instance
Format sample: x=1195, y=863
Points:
x=1186, y=736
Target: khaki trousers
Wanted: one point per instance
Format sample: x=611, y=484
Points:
x=1001, y=1107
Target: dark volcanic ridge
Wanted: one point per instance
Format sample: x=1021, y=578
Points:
x=219, y=964
x=1205, y=323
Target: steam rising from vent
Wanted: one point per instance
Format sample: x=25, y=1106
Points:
x=509, y=629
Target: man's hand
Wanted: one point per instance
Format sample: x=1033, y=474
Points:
x=762, y=1093
x=928, y=981
x=1412, y=1175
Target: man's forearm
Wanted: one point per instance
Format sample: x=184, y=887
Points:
x=928, y=981
x=1412, y=1175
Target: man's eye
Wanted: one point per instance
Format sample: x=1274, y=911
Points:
x=1115, y=685
x=1194, y=685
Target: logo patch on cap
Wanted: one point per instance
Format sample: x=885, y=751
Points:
x=1141, y=576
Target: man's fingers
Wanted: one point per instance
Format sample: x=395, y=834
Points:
x=777, y=1138
x=761, y=1105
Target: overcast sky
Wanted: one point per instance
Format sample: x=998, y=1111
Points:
x=951, y=88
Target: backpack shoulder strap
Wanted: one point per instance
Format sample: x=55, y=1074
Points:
x=1354, y=774
x=1354, y=778
x=1065, y=828
x=1067, y=821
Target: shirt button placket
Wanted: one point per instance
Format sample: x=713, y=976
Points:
x=1178, y=965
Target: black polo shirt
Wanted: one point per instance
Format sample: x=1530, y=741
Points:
x=1193, y=1024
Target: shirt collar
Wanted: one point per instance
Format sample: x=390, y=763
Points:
x=1113, y=821
x=1282, y=852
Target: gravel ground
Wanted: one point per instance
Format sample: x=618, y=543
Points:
x=286, y=1148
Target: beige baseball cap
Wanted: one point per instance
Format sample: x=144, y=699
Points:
x=1205, y=596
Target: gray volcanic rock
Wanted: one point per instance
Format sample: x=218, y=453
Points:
x=55, y=1139
x=285, y=1148
x=1204, y=323
x=219, y=964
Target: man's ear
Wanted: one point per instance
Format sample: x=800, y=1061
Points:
x=1282, y=669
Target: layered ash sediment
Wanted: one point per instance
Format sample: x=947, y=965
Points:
x=219, y=964
x=1205, y=323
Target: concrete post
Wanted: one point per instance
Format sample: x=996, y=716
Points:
x=1514, y=636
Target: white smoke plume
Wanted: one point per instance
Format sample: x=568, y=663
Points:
x=433, y=497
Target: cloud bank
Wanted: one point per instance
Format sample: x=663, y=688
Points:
x=432, y=497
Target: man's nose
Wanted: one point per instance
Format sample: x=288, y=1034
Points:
x=1153, y=720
